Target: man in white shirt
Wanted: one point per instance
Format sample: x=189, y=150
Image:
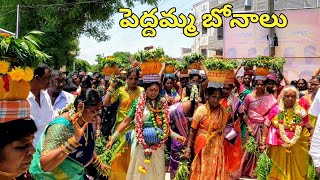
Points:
x=315, y=142
x=40, y=104
x=59, y=98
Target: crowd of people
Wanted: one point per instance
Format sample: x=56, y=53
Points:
x=182, y=116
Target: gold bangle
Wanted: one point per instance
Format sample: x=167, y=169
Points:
x=65, y=150
x=69, y=146
x=72, y=140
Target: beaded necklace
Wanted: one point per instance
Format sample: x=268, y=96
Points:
x=150, y=148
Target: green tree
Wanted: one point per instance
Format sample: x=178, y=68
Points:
x=122, y=57
x=81, y=65
x=94, y=68
x=63, y=21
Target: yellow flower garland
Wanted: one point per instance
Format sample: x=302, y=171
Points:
x=4, y=67
x=284, y=137
x=28, y=74
x=16, y=74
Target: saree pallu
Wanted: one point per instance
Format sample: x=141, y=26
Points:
x=120, y=162
x=258, y=109
x=72, y=168
x=180, y=126
x=209, y=161
x=233, y=152
x=233, y=148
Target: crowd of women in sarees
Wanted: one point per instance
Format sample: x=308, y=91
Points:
x=209, y=127
x=205, y=125
x=201, y=126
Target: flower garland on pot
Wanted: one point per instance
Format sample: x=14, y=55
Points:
x=18, y=57
x=285, y=124
x=160, y=119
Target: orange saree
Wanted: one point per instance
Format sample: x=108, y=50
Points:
x=233, y=149
x=209, y=161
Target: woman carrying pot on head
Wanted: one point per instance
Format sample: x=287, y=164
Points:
x=287, y=132
x=150, y=114
x=17, y=133
x=257, y=105
x=180, y=113
x=66, y=146
x=208, y=124
x=125, y=95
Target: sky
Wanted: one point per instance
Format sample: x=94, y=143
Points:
x=131, y=40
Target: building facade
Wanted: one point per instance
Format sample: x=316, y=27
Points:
x=209, y=42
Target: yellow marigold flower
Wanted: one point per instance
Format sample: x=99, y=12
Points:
x=4, y=67
x=16, y=74
x=111, y=58
x=28, y=74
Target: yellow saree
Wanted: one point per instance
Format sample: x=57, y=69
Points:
x=294, y=162
x=120, y=163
